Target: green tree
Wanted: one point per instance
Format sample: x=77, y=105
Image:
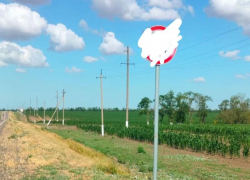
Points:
x=202, y=107
x=168, y=105
x=191, y=97
x=224, y=105
x=181, y=108
x=144, y=106
x=235, y=111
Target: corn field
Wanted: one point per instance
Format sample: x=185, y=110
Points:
x=198, y=139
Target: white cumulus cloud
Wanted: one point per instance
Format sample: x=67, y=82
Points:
x=33, y=2
x=131, y=10
x=18, y=22
x=240, y=76
x=89, y=59
x=19, y=70
x=63, y=39
x=232, y=10
x=3, y=64
x=72, y=70
x=200, y=79
x=27, y=56
x=111, y=45
x=247, y=58
x=190, y=9
x=166, y=4
x=84, y=24
x=230, y=54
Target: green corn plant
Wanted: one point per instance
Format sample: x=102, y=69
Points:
x=246, y=151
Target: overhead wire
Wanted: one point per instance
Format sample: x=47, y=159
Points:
x=213, y=37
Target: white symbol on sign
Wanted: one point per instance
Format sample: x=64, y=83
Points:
x=159, y=45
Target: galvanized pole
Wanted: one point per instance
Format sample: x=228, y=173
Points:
x=44, y=113
x=63, y=107
x=156, y=120
x=127, y=101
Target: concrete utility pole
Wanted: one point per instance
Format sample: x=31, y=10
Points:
x=102, y=103
x=127, y=97
x=34, y=113
x=44, y=112
x=56, y=106
x=36, y=106
x=24, y=109
x=63, y=107
x=30, y=106
x=54, y=112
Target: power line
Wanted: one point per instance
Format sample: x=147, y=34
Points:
x=205, y=58
x=212, y=37
x=218, y=48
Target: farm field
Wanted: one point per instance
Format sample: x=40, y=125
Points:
x=116, y=116
x=219, y=139
x=216, y=151
x=173, y=163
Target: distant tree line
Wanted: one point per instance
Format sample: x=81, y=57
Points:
x=236, y=110
x=80, y=109
x=176, y=106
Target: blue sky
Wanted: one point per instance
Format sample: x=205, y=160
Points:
x=46, y=53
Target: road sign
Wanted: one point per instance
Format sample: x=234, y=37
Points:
x=159, y=43
x=162, y=28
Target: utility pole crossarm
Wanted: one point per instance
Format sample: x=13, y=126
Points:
x=101, y=76
x=129, y=63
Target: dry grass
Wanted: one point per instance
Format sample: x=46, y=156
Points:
x=103, y=163
x=29, y=147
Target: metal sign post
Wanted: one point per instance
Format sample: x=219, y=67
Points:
x=156, y=120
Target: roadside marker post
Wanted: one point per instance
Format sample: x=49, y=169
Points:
x=159, y=45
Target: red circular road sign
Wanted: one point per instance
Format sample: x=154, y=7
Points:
x=161, y=28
